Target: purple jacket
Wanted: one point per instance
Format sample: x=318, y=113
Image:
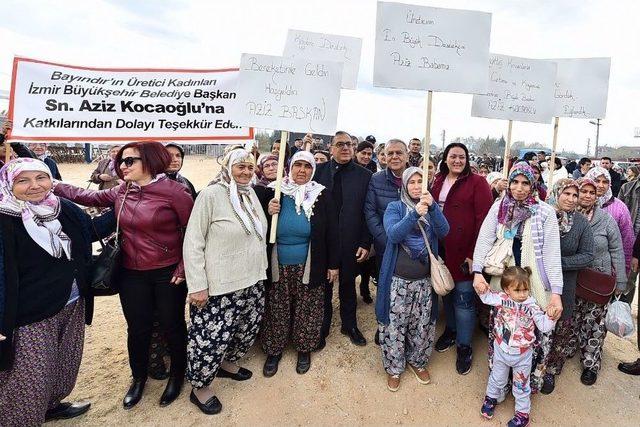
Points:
x=620, y=213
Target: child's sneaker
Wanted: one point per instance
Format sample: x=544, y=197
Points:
x=488, y=407
x=520, y=419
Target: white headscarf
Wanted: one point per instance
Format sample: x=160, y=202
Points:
x=304, y=195
x=40, y=219
x=595, y=173
x=240, y=194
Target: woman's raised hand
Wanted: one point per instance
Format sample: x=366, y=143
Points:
x=199, y=299
x=274, y=207
x=422, y=207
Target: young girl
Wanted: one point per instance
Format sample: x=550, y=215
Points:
x=517, y=316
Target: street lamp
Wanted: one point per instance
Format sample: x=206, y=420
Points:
x=597, y=125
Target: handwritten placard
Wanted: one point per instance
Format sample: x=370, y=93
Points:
x=582, y=87
x=327, y=47
x=293, y=94
x=519, y=89
x=429, y=48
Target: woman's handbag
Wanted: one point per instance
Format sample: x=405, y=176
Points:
x=103, y=277
x=595, y=286
x=441, y=278
x=498, y=257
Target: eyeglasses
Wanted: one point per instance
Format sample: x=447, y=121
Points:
x=342, y=145
x=129, y=161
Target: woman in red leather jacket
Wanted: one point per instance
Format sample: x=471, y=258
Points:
x=154, y=212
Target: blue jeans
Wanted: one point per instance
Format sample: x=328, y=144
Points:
x=460, y=311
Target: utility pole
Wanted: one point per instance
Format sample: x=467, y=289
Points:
x=597, y=125
x=588, y=146
x=444, y=132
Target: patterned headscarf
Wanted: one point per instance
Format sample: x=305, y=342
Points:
x=261, y=179
x=240, y=194
x=565, y=219
x=40, y=219
x=595, y=173
x=514, y=213
x=588, y=212
x=304, y=195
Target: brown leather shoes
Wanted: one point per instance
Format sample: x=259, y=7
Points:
x=393, y=382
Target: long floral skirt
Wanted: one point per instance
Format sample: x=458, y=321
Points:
x=47, y=357
x=224, y=329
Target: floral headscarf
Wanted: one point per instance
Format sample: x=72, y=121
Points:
x=240, y=194
x=304, y=195
x=582, y=182
x=40, y=219
x=514, y=213
x=565, y=219
x=594, y=174
x=261, y=179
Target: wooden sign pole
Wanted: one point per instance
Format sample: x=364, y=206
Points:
x=552, y=161
x=7, y=152
x=427, y=145
x=284, y=141
x=507, y=147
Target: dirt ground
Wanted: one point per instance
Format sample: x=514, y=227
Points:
x=346, y=385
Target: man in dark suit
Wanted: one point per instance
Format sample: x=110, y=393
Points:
x=348, y=183
x=616, y=178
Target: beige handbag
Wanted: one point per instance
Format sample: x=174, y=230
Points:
x=441, y=278
x=499, y=257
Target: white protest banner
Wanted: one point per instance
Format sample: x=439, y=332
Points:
x=582, y=87
x=292, y=94
x=56, y=102
x=519, y=89
x=327, y=47
x=429, y=48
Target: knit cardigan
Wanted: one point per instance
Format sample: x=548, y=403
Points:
x=608, y=252
x=545, y=239
x=576, y=251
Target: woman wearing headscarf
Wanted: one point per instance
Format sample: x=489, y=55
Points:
x=530, y=228
x=540, y=187
x=617, y=209
x=45, y=243
x=589, y=330
x=173, y=171
x=105, y=173
x=465, y=199
x=304, y=257
x=225, y=261
x=154, y=211
x=266, y=169
x=406, y=305
x=576, y=253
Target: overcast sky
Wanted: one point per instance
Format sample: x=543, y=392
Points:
x=213, y=34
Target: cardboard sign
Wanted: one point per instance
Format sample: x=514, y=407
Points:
x=582, y=87
x=519, y=89
x=56, y=102
x=429, y=48
x=327, y=47
x=293, y=94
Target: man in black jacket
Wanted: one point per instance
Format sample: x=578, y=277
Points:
x=616, y=178
x=348, y=183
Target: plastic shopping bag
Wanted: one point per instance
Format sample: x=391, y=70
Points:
x=619, y=320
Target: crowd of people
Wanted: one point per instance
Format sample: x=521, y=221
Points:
x=518, y=253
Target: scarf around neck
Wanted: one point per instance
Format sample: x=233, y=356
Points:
x=514, y=213
x=40, y=219
x=304, y=195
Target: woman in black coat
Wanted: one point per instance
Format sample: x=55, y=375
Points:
x=303, y=259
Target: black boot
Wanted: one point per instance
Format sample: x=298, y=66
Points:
x=66, y=410
x=134, y=394
x=631, y=368
x=355, y=336
x=463, y=359
x=589, y=377
x=548, y=384
x=365, y=293
x=446, y=340
x=271, y=365
x=172, y=390
x=304, y=362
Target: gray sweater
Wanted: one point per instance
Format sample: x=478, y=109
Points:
x=576, y=249
x=608, y=247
